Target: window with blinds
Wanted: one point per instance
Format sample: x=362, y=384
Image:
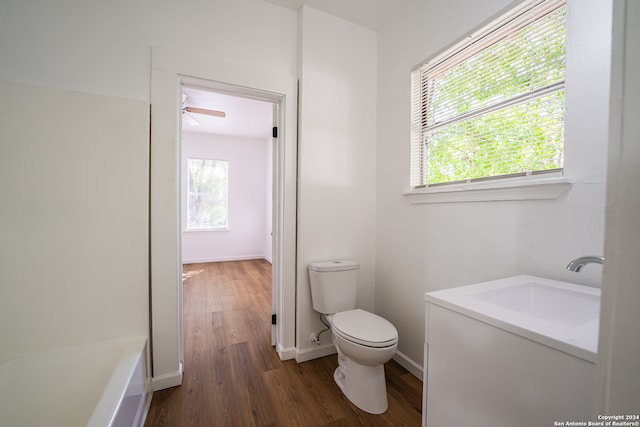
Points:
x=492, y=106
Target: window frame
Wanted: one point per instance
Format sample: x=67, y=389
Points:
x=542, y=184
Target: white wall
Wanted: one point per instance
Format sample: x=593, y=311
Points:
x=104, y=47
x=247, y=233
x=337, y=158
x=421, y=248
x=73, y=222
x=76, y=91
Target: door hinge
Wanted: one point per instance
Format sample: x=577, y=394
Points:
x=273, y=319
x=274, y=131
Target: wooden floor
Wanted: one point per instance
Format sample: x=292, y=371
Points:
x=233, y=376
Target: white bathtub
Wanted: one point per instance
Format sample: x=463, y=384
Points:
x=95, y=385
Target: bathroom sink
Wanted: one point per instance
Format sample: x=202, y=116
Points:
x=551, y=303
x=558, y=314
x=515, y=351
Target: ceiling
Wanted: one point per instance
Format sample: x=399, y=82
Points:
x=245, y=117
x=372, y=14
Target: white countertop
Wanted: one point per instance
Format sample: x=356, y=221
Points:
x=561, y=315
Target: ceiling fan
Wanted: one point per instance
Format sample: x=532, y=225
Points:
x=187, y=111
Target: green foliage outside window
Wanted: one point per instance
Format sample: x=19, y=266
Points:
x=505, y=130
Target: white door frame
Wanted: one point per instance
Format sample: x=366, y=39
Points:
x=169, y=71
x=618, y=367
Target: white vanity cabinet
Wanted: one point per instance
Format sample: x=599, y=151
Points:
x=487, y=367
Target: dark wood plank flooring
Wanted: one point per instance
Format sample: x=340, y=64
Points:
x=234, y=377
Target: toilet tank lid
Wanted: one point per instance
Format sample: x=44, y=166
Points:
x=339, y=265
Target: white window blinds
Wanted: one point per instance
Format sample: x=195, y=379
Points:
x=493, y=105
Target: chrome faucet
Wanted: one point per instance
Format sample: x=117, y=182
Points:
x=577, y=264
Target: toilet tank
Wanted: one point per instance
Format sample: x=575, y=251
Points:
x=334, y=285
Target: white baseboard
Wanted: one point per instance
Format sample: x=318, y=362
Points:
x=326, y=350
x=409, y=365
x=223, y=259
x=169, y=380
x=314, y=352
x=286, y=353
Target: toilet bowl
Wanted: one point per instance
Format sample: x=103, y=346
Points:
x=364, y=341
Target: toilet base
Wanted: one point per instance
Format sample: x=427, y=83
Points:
x=363, y=385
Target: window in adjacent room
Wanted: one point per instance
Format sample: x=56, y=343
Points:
x=492, y=106
x=207, y=201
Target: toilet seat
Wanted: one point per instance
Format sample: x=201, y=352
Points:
x=365, y=328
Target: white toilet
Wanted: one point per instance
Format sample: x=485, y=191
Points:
x=365, y=341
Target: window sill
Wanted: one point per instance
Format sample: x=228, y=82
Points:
x=206, y=230
x=528, y=189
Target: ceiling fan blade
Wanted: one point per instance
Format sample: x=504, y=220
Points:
x=205, y=111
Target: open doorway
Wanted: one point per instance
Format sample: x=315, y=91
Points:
x=227, y=167
x=227, y=180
